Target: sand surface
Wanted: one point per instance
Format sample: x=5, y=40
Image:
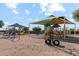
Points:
x=35, y=46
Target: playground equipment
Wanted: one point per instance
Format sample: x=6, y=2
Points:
x=51, y=38
x=9, y=34
x=55, y=20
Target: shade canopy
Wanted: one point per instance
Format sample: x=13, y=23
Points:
x=53, y=20
x=16, y=25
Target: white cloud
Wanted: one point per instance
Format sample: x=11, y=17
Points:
x=70, y=15
x=47, y=14
x=33, y=5
x=14, y=11
x=37, y=19
x=56, y=7
x=27, y=12
x=48, y=9
x=30, y=19
x=19, y=17
x=13, y=7
x=6, y=24
x=71, y=18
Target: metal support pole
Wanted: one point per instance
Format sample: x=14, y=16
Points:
x=29, y=30
x=74, y=29
x=19, y=33
x=64, y=29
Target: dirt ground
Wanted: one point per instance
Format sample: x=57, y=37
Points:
x=35, y=46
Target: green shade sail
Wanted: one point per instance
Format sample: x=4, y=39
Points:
x=53, y=20
x=16, y=25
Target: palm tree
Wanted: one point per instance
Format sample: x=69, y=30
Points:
x=76, y=15
x=1, y=23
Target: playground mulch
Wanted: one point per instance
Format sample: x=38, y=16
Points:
x=33, y=45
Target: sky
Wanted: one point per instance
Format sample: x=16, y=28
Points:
x=25, y=13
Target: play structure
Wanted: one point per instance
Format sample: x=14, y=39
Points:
x=13, y=31
x=52, y=35
x=9, y=34
x=51, y=20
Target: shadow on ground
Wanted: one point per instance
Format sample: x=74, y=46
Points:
x=71, y=40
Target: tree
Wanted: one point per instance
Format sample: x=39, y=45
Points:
x=56, y=25
x=77, y=31
x=1, y=23
x=72, y=31
x=37, y=30
x=76, y=15
x=25, y=29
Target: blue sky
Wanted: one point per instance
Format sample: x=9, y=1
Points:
x=25, y=13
